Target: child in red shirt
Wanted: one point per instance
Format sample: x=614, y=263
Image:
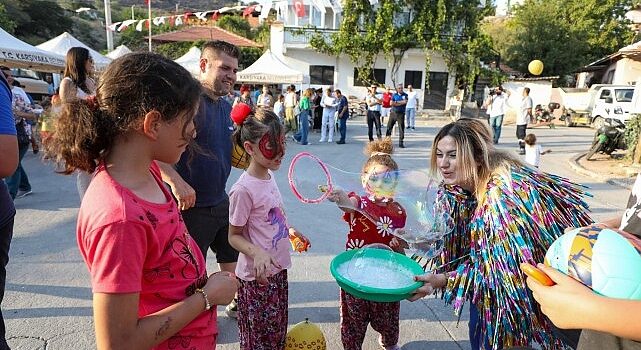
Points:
x=149, y=282
x=372, y=219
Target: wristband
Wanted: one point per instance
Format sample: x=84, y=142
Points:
x=204, y=294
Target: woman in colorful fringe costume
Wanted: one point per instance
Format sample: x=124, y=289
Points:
x=505, y=213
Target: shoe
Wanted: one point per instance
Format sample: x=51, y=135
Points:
x=36, y=150
x=232, y=309
x=340, y=142
x=407, y=128
x=413, y=128
x=401, y=145
x=22, y=193
x=330, y=141
x=321, y=140
x=521, y=152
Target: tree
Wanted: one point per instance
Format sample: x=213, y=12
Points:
x=5, y=20
x=564, y=34
x=447, y=26
x=38, y=20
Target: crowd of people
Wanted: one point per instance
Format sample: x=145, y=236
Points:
x=145, y=244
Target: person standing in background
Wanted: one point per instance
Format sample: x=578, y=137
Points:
x=317, y=109
x=343, y=115
x=8, y=165
x=410, y=107
x=329, y=104
x=373, y=114
x=78, y=84
x=496, y=109
x=386, y=106
x=265, y=99
x=399, y=100
x=524, y=116
x=291, y=122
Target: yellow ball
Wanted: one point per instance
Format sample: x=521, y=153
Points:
x=305, y=335
x=239, y=157
x=535, y=67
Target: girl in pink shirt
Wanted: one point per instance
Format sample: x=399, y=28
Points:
x=150, y=287
x=258, y=229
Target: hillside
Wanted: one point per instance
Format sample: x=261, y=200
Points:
x=184, y=5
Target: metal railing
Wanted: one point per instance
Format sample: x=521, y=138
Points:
x=298, y=35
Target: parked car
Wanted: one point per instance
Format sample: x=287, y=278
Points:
x=33, y=85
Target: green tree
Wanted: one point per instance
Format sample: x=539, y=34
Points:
x=447, y=26
x=38, y=20
x=564, y=34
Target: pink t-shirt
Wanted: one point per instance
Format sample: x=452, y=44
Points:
x=257, y=205
x=134, y=246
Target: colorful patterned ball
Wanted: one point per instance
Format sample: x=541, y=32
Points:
x=239, y=157
x=305, y=335
x=606, y=260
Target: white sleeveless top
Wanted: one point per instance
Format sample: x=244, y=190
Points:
x=80, y=93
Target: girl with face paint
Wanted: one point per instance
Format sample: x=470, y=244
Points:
x=371, y=218
x=258, y=229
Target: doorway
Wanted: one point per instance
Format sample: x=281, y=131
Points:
x=436, y=91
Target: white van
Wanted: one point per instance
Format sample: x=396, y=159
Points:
x=612, y=102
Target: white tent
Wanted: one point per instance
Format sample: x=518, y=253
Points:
x=63, y=42
x=269, y=68
x=16, y=53
x=118, y=52
x=191, y=61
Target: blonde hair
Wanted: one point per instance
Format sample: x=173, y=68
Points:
x=308, y=92
x=476, y=156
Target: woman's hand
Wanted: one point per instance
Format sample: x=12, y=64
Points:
x=432, y=283
x=221, y=287
x=563, y=302
x=262, y=264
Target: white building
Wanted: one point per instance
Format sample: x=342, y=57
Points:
x=290, y=37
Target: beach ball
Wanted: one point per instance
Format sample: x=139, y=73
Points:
x=604, y=259
x=535, y=67
x=239, y=157
x=305, y=335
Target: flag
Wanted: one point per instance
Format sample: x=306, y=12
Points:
x=299, y=8
x=215, y=15
x=267, y=6
x=248, y=10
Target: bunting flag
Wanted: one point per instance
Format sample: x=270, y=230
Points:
x=267, y=6
x=373, y=2
x=299, y=8
x=203, y=16
x=248, y=10
x=126, y=24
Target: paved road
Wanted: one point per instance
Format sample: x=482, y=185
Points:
x=48, y=299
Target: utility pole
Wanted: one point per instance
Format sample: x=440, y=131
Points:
x=110, y=34
x=149, y=10
x=133, y=16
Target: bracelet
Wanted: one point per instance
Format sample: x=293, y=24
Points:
x=204, y=294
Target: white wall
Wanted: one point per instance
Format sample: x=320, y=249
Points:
x=627, y=71
x=301, y=59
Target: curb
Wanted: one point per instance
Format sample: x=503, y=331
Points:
x=578, y=168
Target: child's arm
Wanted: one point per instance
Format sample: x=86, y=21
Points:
x=118, y=326
x=262, y=260
x=344, y=202
x=546, y=151
x=571, y=305
x=183, y=192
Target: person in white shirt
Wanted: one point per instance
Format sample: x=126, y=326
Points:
x=265, y=99
x=496, y=107
x=522, y=119
x=533, y=151
x=329, y=104
x=410, y=107
x=373, y=102
x=279, y=108
x=291, y=121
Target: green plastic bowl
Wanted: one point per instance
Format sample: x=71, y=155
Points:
x=371, y=293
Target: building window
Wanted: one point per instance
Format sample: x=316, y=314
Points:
x=414, y=78
x=321, y=75
x=379, y=77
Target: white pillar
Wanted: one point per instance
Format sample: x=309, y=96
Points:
x=110, y=34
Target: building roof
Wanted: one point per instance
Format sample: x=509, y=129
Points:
x=550, y=78
x=631, y=51
x=205, y=33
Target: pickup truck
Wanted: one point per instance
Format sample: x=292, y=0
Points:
x=592, y=106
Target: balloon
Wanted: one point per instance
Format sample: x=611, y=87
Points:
x=239, y=157
x=604, y=259
x=305, y=335
x=535, y=67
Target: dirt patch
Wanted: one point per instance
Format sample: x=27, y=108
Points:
x=616, y=166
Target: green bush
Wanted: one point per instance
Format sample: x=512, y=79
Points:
x=631, y=136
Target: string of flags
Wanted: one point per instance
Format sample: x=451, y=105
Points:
x=178, y=20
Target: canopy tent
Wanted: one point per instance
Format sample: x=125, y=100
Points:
x=63, y=42
x=191, y=61
x=269, y=68
x=16, y=53
x=118, y=52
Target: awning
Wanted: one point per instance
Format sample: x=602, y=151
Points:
x=63, y=42
x=118, y=52
x=15, y=53
x=191, y=61
x=269, y=68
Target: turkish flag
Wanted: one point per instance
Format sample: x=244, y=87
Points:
x=215, y=15
x=299, y=8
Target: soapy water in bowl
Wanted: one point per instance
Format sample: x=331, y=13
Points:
x=376, y=273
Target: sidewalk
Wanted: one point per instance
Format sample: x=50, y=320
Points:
x=616, y=171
